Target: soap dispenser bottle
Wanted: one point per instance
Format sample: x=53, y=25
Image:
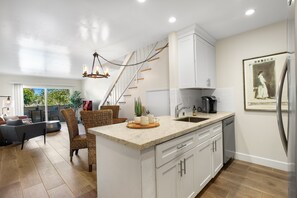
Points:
x=194, y=111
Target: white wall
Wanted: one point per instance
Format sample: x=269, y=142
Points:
x=7, y=82
x=257, y=138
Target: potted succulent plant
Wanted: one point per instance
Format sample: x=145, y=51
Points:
x=137, y=110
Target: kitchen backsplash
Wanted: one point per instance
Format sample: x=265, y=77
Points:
x=190, y=97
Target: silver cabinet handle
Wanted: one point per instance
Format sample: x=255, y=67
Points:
x=185, y=167
x=213, y=148
x=181, y=146
x=279, y=107
x=180, y=168
x=215, y=145
x=227, y=124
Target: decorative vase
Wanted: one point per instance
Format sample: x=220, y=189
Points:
x=151, y=118
x=144, y=120
x=137, y=119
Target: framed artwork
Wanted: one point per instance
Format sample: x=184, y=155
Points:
x=260, y=80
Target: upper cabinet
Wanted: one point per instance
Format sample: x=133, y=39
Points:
x=196, y=59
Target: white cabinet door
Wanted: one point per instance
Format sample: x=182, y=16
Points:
x=217, y=155
x=211, y=54
x=205, y=63
x=203, y=161
x=186, y=62
x=187, y=180
x=185, y=175
x=201, y=62
x=196, y=62
x=176, y=179
x=168, y=177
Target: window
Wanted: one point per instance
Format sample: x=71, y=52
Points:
x=45, y=104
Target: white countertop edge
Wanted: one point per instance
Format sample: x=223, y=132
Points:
x=195, y=126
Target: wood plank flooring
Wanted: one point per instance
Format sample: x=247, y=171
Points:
x=44, y=170
x=242, y=179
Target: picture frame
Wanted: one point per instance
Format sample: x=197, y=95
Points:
x=261, y=77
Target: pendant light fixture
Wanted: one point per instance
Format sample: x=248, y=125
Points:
x=104, y=74
x=96, y=73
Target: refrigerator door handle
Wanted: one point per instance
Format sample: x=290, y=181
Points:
x=279, y=107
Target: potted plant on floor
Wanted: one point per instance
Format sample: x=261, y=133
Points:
x=76, y=102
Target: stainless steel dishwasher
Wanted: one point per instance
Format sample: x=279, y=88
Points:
x=229, y=139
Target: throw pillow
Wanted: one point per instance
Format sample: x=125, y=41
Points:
x=27, y=121
x=22, y=117
x=6, y=118
x=2, y=121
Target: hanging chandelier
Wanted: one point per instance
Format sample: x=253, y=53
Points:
x=96, y=73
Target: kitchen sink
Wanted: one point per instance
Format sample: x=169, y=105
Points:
x=191, y=119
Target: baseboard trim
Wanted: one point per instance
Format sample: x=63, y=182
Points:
x=262, y=161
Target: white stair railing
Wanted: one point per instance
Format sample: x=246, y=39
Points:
x=107, y=94
x=127, y=75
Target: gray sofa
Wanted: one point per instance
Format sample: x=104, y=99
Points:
x=20, y=133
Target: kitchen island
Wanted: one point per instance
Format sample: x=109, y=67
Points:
x=129, y=161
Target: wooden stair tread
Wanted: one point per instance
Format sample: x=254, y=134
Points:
x=139, y=79
x=153, y=59
x=147, y=69
x=157, y=49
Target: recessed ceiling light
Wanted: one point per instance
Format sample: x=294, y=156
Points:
x=249, y=12
x=171, y=19
x=141, y=1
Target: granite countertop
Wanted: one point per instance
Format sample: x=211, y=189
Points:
x=144, y=138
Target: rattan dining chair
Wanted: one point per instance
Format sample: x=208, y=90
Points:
x=115, y=113
x=76, y=140
x=94, y=119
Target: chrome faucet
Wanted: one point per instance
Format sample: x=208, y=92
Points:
x=177, y=110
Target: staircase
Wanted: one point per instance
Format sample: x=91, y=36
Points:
x=129, y=76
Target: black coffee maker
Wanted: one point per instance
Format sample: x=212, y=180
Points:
x=209, y=104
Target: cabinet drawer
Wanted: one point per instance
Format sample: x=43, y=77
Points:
x=216, y=129
x=174, y=148
x=204, y=134
x=208, y=132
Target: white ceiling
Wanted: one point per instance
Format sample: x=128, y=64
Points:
x=55, y=38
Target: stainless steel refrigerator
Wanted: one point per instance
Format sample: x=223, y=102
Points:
x=288, y=138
